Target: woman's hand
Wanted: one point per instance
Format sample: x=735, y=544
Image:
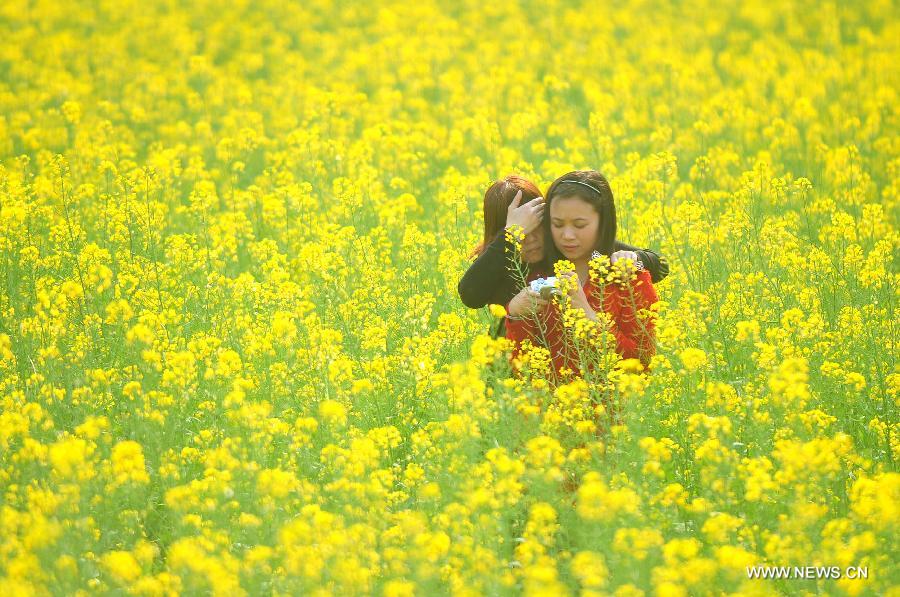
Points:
x=527, y=216
x=526, y=303
x=626, y=255
x=577, y=296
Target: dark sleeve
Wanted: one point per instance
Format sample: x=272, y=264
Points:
x=655, y=264
x=487, y=278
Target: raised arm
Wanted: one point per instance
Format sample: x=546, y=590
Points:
x=488, y=279
x=487, y=276
x=655, y=264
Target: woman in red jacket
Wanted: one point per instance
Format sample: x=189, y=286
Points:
x=493, y=278
x=582, y=227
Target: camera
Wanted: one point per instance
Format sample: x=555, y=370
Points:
x=547, y=287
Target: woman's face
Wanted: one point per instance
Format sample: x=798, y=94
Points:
x=574, y=224
x=533, y=246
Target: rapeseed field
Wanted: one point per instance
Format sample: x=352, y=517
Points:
x=232, y=355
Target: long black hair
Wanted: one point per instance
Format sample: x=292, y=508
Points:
x=593, y=188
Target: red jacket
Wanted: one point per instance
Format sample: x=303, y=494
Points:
x=634, y=337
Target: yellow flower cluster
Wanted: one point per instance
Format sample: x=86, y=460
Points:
x=232, y=355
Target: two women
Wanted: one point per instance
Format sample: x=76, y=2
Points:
x=576, y=222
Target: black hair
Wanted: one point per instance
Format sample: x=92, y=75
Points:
x=593, y=188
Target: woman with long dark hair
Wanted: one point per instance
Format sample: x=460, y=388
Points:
x=580, y=227
x=510, y=201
